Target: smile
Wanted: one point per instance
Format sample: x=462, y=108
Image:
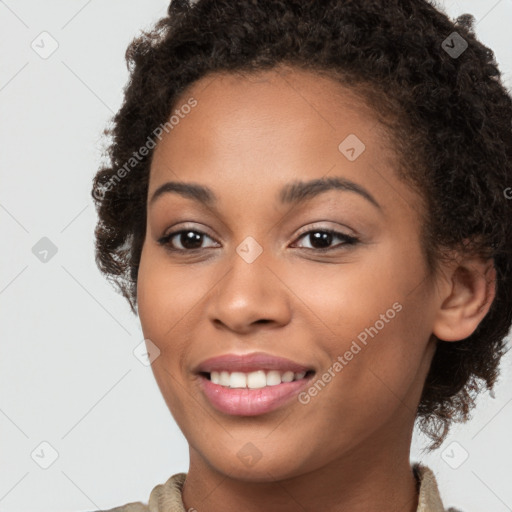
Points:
x=241, y=400
x=252, y=383
x=254, y=380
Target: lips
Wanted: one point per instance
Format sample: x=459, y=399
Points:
x=252, y=400
x=250, y=363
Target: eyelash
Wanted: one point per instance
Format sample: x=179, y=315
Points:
x=348, y=240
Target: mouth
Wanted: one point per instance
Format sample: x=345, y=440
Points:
x=251, y=384
x=252, y=394
x=256, y=379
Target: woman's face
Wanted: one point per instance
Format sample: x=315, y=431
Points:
x=260, y=271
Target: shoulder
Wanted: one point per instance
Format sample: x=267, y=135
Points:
x=164, y=497
x=429, y=499
x=129, y=507
x=167, y=497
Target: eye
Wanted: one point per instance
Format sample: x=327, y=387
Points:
x=188, y=240
x=321, y=239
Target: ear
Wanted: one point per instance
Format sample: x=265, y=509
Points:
x=468, y=293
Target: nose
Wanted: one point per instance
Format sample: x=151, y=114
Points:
x=248, y=296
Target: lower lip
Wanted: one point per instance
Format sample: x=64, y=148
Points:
x=250, y=402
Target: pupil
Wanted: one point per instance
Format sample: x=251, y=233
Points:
x=321, y=239
x=191, y=240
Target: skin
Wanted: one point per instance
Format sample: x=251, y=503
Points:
x=348, y=448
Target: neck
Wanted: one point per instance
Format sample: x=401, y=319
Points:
x=371, y=477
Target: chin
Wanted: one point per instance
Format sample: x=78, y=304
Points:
x=250, y=464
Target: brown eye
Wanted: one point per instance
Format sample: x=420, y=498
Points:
x=321, y=239
x=184, y=240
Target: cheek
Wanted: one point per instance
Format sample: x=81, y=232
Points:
x=373, y=314
x=166, y=294
x=344, y=299
x=165, y=298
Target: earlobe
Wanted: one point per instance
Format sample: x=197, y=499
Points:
x=468, y=300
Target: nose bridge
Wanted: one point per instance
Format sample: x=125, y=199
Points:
x=249, y=292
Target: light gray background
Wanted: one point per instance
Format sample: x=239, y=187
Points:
x=68, y=375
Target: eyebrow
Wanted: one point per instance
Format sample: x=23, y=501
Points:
x=295, y=192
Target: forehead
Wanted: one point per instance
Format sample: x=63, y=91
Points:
x=289, y=95
x=260, y=130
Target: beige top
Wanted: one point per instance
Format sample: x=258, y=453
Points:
x=167, y=497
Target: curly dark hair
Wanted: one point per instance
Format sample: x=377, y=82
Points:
x=448, y=114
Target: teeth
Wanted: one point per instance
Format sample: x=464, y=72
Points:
x=224, y=378
x=273, y=378
x=237, y=380
x=287, y=376
x=254, y=380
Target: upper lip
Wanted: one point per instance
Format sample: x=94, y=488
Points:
x=249, y=363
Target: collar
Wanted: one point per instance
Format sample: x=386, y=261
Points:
x=429, y=499
x=167, y=497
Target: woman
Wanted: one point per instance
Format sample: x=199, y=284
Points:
x=305, y=204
